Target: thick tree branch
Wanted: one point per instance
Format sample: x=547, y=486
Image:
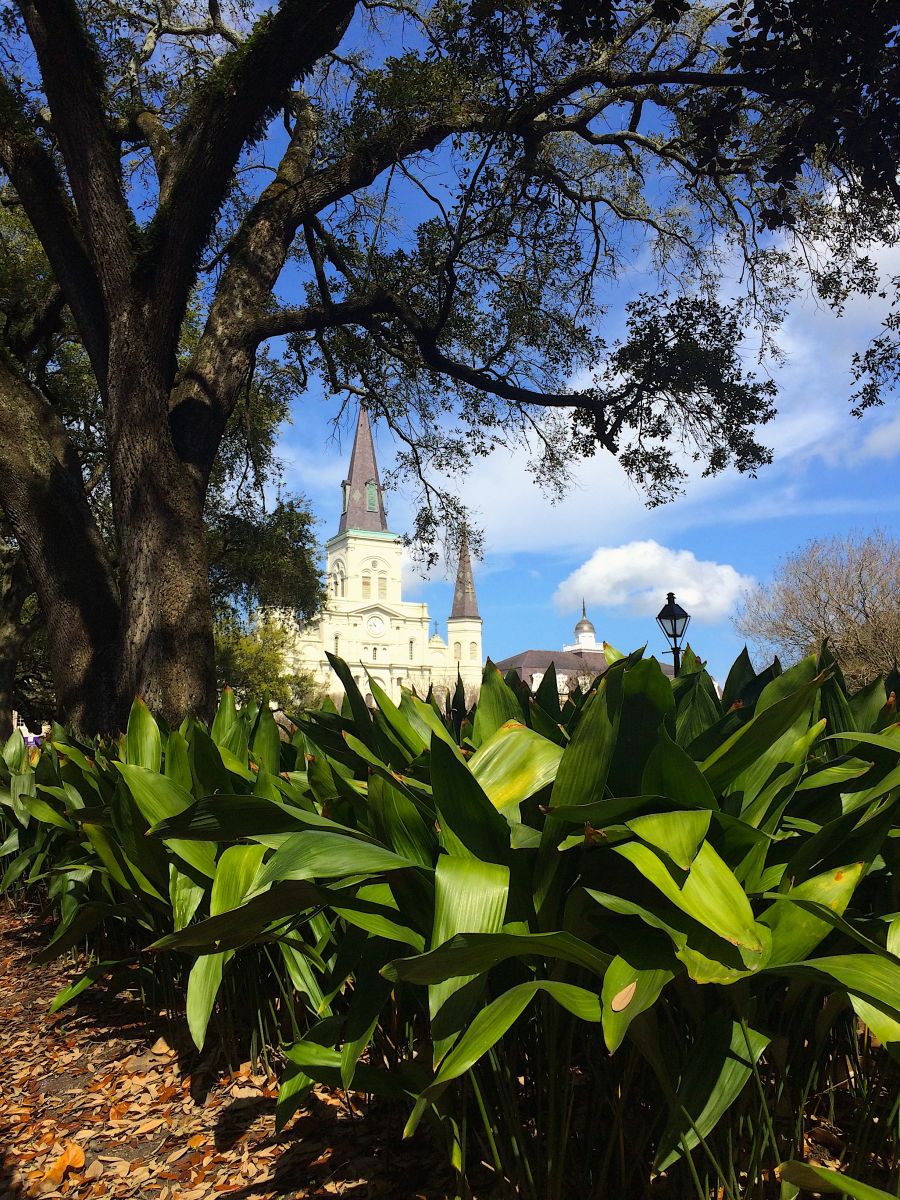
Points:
x=40, y=190
x=72, y=77
x=227, y=113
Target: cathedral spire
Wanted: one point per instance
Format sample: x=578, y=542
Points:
x=363, y=498
x=465, y=605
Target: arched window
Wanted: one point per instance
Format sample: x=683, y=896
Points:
x=371, y=498
x=473, y=651
x=345, y=488
x=367, y=587
x=382, y=587
x=457, y=650
x=412, y=649
x=337, y=641
x=374, y=654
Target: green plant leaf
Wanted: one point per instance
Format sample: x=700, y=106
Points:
x=224, y=818
x=497, y=704
x=513, y=764
x=755, y=740
x=821, y=1180
x=143, y=746
x=491, y=1023
x=795, y=930
x=235, y=871
x=712, y=1081
x=469, y=897
x=710, y=894
x=670, y=771
x=469, y=822
x=627, y=992
x=323, y=855
x=677, y=834
x=158, y=798
x=468, y=954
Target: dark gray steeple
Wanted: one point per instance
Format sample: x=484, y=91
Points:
x=363, y=498
x=464, y=602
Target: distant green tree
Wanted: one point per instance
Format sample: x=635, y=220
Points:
x=250, y=659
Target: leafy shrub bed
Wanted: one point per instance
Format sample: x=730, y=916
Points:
x=642, y=944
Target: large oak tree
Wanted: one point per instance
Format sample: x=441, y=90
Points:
x=429, y=201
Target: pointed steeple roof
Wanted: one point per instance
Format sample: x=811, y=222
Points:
x=465, y=605
x=363, y=497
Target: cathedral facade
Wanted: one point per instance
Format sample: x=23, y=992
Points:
x=365, y=619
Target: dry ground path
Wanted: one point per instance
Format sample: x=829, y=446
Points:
x=93, y=1104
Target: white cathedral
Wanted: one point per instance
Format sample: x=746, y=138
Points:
x=365, y=619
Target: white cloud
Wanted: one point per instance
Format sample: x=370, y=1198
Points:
x=637, y=575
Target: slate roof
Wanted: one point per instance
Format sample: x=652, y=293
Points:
x=363, y=471
x=465, y=602
x=566, y=662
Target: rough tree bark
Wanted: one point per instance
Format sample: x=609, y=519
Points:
x=43, y=496
x=15, y=588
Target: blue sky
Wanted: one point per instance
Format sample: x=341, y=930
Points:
x=832, y=473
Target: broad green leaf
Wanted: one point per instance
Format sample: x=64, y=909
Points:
x=244, y=924
x=468, y=821
x=712, y=1081
x=710, y=894
x=584, y=767
x=756, y=738
x=835, y=773
x=470, y=896
x=471, y=953
x=322, y=855
x=235, y=871
x=871, y=977
x=670, y=771
x=513, y=764
x=266, y=742
x=627, y=992
x=178, y=762
x=677, y=834
x=399, y=824
x=226, y=716
x=42, y=811
x=821, y=1180
x=184, y=896
x=491, y=1023
x=866, y=704
x=740, y=676
x=158, y=798
x=795, y=930
x=89, y=977
x=497, y=704
x=224, y=818
x=143, y=745
x=402, y=728
x=79, y=923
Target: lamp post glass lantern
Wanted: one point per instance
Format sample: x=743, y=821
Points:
x=673, y=621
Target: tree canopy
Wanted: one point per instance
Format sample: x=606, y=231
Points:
x=436, y=207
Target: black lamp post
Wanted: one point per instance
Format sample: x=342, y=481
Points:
x=673, y=621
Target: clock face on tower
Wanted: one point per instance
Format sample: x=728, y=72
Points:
x=375, y=625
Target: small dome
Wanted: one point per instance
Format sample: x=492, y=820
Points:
x=584, y=625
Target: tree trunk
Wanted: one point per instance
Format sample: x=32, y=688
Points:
x=167, y=650
x=15, y=588
x=42, y=493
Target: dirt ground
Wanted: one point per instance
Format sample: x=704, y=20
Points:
x=93, y=1104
